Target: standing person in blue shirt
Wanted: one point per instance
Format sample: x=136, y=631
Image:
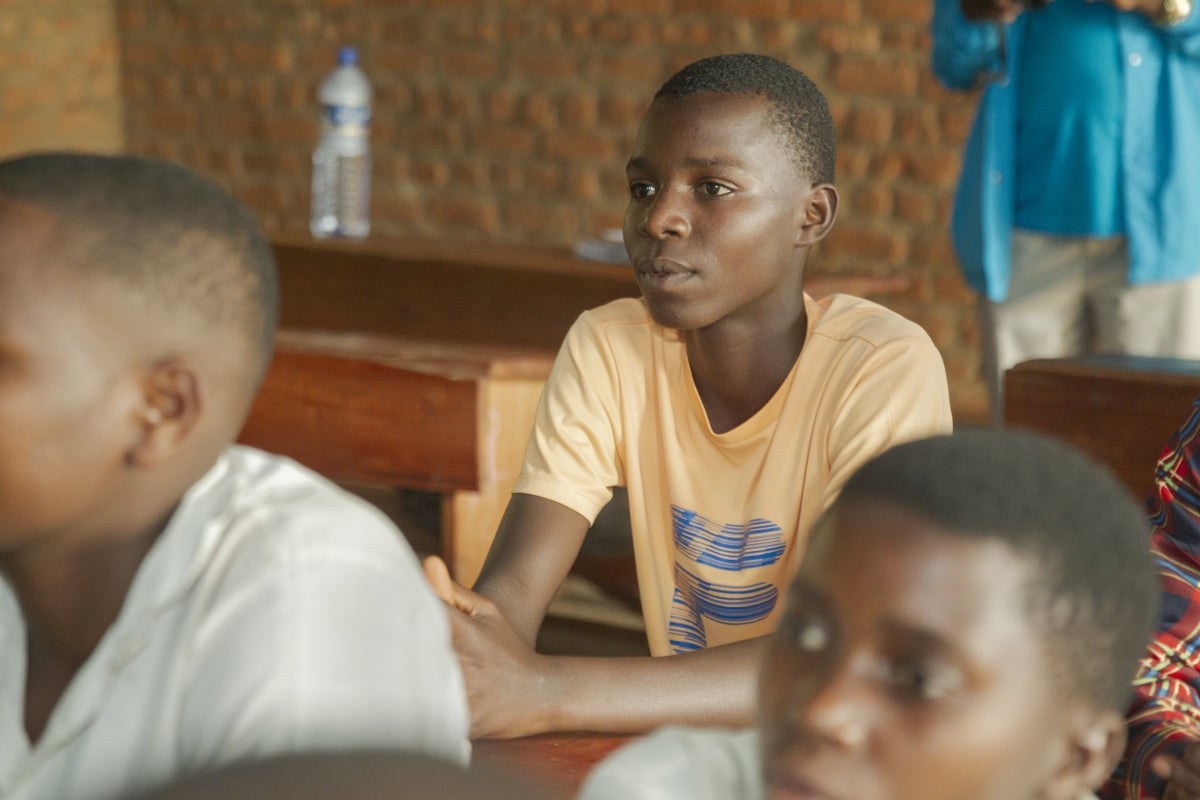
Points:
x=1077, y=218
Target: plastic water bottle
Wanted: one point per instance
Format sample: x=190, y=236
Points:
x=341, y=176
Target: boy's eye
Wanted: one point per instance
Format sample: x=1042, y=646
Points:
x=809, y=634
x=714, y=189
x=808, y=627
x=923, y=681
x=641, y=189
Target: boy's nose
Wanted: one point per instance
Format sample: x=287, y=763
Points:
x=836, y=708
x=665, y=216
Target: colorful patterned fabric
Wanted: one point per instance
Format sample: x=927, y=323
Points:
x=1166, y=712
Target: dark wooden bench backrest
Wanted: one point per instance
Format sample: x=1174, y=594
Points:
x=1120, y=409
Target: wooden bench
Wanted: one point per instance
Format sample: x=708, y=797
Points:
x=419, y=365
x=1121, y=410
x=370, y=409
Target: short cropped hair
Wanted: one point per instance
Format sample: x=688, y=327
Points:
x=799, y=110
x=161, y=231
x=1092, y=587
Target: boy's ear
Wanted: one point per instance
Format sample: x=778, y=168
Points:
x=1096, y=741
x=172, y=404
x=820, y=210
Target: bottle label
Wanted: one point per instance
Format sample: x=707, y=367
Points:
x=346, y=120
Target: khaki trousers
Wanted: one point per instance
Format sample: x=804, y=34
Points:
x=1068, y=297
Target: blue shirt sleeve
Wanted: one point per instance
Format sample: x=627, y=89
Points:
x=965, y=53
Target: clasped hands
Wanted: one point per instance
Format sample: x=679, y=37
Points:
x=507, y=680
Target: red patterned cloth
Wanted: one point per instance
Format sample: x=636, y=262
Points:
x=1165, y=716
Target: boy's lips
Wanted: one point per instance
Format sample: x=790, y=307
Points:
x=661, y=272
x=659, y=265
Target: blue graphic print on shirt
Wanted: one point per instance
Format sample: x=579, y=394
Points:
x=727, y=547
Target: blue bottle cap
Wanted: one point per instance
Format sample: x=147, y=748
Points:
x=347, y=55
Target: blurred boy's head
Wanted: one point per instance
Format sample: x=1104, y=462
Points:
x=730, y=183
x=965, y=624
x=138, y=304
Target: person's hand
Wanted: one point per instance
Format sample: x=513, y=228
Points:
x=994, y=10
x=1149, y=8
x=1182, y=774
x=505, y=677
x=453, y=593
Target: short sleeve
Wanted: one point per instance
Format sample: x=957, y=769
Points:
x=898, y=394
x=572, y=457
x=963, y=50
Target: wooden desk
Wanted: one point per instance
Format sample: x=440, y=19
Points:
x=468, y=292
x=1120, y=409
x=441, y=417
x=419, y=364
x=441, y=291
x=559, y=761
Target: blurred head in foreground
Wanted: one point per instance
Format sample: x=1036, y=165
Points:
x=965, y=623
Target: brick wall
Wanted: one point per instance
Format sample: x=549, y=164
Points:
x=59, y=76
x=510, y=120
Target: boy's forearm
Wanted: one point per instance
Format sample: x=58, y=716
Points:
x=512, y=601
x=636, y=694
x=535, y=545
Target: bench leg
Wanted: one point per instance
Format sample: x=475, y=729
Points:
x=469, y=519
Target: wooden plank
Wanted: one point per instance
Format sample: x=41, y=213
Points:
x=471, y=294
x=1121, y=410
x=358, y=421
x=371, y=409
x=453, y=360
